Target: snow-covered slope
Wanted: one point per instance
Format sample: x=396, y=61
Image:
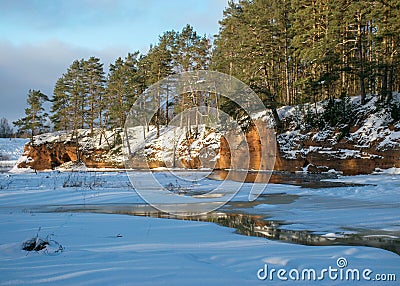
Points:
x=174, y=147
x=365, y=138
x=373, y=127
x=10, y=150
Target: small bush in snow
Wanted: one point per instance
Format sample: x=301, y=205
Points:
x=48, y=245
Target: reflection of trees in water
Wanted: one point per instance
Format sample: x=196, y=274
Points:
x=250, y=225
x=256, y=226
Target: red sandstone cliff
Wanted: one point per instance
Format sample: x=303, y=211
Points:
x=373, y=142
x=52, y=150
x=343, y=157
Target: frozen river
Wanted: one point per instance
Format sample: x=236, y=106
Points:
x=109, y=234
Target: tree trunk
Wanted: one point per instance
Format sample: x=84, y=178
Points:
x=389, y=91
x=158, y=104
x=167, y=106
x=361, y=74
x=389, y=94
x=384, y=82
x=127, y=141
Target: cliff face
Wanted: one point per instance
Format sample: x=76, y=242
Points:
x=372, y=142
x=50, y=156
x=368, y=139
x=254, y=151
x=52, y=150
x=344, y=157
x=349, y=159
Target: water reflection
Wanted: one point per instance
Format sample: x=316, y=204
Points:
x=250, y=225
x=257, y=226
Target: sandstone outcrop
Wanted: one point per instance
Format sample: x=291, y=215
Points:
x=52, y=150
x=371, y=142
x=343, y=157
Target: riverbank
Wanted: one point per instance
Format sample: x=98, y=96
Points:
x=372, y=142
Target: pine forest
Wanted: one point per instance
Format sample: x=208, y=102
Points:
x=289, y=52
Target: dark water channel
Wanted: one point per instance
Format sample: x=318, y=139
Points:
x=239, y=216
x=245, y=224
x=304, y=180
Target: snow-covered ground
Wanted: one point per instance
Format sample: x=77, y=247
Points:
x=10, y=150
x=103, y=249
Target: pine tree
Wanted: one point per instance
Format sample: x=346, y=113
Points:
x=190, y=51
x=35, y=119
x=78, y=96
x=297, y=51
x=158, y=65
x=93, y=81
x=61, y=106
x=74, y=81
x=123, y=86
x=288, y=52
x=248, y=47
x=360, y=11
x=387, y=15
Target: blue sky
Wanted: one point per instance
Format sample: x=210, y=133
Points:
x=39, y=39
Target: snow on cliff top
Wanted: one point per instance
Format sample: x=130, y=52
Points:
x=100, y=139
x=171, y=139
